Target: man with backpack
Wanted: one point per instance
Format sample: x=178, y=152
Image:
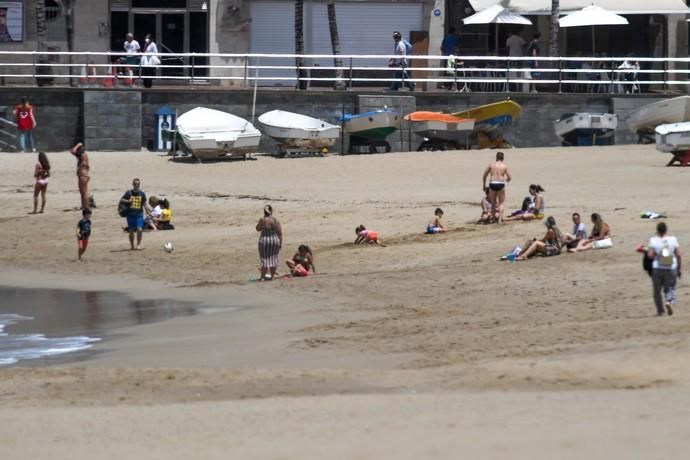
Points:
x=403, y=48
x=666, y=263
x=133, y=206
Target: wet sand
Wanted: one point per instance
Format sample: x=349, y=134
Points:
x=427, y=348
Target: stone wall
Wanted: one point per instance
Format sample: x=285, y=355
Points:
x=124, y=119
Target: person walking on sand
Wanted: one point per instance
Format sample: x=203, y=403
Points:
x=41, y=174
x=26, y=122
x=83, y=171
x=270, y=242
x=499, y=175
x=83, y=232
x=135, y=199
x=666, y=265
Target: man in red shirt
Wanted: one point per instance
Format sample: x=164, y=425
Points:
x=26, y=122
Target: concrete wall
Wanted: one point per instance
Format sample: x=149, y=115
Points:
x=117, y=119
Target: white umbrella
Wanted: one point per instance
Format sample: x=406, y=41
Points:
x=497, y=15
x=592, y=16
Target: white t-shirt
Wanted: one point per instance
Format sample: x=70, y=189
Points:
x=132, y=47
x=401, y=51
x=580, y=231
x=156, y=212
x=657, y=244
x=515, y=44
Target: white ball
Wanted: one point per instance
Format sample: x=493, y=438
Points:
x=168, y=247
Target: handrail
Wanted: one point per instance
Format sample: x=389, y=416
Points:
x=605, y=74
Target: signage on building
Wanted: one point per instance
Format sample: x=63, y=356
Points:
x=11, y=21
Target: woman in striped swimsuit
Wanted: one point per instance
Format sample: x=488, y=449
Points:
x=270, y=241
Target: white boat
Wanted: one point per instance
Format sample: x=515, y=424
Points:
x=212, y=134
x=648, y=117
x=585, y=128
x=673, y=137
x=297, y=131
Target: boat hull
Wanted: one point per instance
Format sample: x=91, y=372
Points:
x=648, y=117
x=212, y=134
x=299, y=131
x=373, y=125
x=585, y=124
x=440, y=130
x=490, y=117
x=673, y=137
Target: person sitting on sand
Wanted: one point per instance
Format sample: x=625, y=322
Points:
x=367, y=236
x=549, y=245
x=165, y=221
x=435, y=225
x=536, y=209
x=571, y=240
x=301, y=262
x=154, y=215
x=600, y=231
x=486, y=217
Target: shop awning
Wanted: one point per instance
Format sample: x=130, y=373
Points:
x=615, y=6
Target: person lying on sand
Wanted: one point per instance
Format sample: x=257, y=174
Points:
x=600, y=232
x=301, y=262
x=535, y=211
x=435, y=225
x=367, y=236
x=549, y=245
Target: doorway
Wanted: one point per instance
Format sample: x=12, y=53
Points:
x=172, y=39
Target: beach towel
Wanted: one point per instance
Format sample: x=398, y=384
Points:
x=652, y=215
x=606, y=243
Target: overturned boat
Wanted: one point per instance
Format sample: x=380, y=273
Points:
x=210, y=134
x=489, y=119
x=299, y=132
x=370, y=129
x=674, y=138
x=586, y=128
x=440, y=131
x=644, y=120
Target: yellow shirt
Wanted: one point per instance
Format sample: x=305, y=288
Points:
x=166, y=215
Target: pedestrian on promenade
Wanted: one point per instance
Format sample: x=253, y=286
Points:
x=666, y=265
x=402, y=49
x=149, y=61
x=270, y=242
x=83, y=172
x=41, y=174
x=533, y=51
x=135, y=199
x=26, y=122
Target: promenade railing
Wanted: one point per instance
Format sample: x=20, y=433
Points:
x=474, y=73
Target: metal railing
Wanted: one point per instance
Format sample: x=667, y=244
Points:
x=476, y=73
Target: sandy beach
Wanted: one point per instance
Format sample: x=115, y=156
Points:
x=427, y=348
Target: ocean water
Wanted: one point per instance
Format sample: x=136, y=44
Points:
x=39, y=325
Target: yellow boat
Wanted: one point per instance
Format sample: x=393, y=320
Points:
x=491, y=116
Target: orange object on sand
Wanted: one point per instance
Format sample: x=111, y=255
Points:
x=372, y=235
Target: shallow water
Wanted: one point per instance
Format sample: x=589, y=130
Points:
x=45, y=323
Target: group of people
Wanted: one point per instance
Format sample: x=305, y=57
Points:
x=135, y=56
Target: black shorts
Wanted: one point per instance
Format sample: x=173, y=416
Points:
x=496, y=186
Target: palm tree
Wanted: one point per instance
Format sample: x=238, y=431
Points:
x=299, y=43
x=68, y=10
x=41, y=37
x=335, y=45
x=553, y=28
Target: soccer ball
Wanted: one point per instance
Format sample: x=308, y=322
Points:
x=168, y=247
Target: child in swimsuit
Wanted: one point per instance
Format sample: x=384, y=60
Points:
x=367, y=236
x=301, y=262
x=435, y=225
x=83, y=232
x=487, y=214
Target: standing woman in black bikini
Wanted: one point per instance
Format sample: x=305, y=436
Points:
x=499, y=175
x=270, y=242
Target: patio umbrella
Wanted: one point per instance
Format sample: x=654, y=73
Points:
x=497, y=15
x=592, y=16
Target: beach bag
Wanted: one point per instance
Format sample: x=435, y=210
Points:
x=647, y=264
x=122, y=209
x=603, y=244
x=666, y=256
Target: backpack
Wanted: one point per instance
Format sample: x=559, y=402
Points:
x=666, y=256
x=123, y=208
x=408, y=47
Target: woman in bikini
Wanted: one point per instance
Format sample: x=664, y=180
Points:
x=548, y=246
x=41, y=173
x=600, y=231
x=301, y=262
x=536, y=209
x=83, y=170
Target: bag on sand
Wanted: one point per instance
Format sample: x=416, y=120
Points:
x=602, y=244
